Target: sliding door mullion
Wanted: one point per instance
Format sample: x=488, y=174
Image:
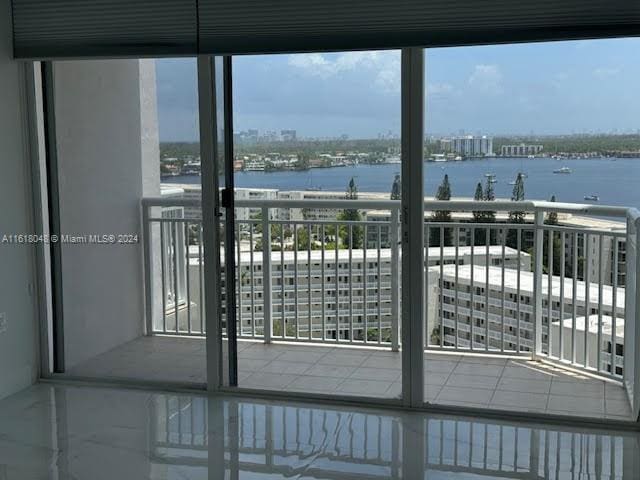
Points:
x=412, y=218
x=210, y=227
x=51, y=159
x=230, y=260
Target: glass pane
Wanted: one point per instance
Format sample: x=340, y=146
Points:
x=226, y=303
x=132, y=286
x=318, y=284
x=517, y=123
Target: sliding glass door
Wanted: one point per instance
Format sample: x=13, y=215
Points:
x=218, y=215
x=307, y=215
x=126, y=226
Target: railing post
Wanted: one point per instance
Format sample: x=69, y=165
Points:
x=148, y=281
x=266, y=275
x=394, y=240
x=537, y=282
x=632, y=296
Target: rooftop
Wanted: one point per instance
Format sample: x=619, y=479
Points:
x=358, y=254
x=526, y=284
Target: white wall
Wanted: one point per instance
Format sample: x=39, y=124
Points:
x=18, y=344
x=107, y=140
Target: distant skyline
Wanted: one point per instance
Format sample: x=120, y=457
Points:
x=544, y=88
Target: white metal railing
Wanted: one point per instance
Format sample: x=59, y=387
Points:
x=340, y=284
x=554, y=291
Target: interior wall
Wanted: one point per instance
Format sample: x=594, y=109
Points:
x=18, y=341
x=108, y=154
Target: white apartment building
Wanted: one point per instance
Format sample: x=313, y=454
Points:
x=590, y=326
x=612, y=233
x=194, y=192
x=472, y=145
x=255, y=164
x=312, y=213
x=522, y=150
x=463, y=313
x=303, y=288
x=464, y=232
x=613, y=245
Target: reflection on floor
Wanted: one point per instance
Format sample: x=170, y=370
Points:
x=476, y=381
x=69, y=432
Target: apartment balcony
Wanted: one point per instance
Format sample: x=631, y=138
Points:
x=525, y=316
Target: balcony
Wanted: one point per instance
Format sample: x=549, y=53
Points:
x=528, y=315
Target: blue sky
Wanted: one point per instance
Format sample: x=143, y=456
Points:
x=544, y=88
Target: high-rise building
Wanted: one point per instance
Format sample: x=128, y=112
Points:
x=472, y=145
x=288, y=135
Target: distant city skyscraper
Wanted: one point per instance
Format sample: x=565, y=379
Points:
x=288, y=135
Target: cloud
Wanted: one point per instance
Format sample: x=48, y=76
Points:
x=487, y=79
x=384, y=67
x=439, y=89
x=605, y=72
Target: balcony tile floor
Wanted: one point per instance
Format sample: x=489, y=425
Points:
x=463, y=380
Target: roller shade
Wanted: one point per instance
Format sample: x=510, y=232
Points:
x=257, y=26
x=103, y=28
x=116, y=28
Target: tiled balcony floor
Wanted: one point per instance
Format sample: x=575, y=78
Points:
x=465, y=380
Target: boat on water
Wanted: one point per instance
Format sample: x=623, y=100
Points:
x=512, y=182
x=562, y=170
x=592, y=198
x=191, y=168
x=491, y=177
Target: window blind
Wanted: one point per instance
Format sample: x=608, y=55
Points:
x=100, y=28
x=104, y=28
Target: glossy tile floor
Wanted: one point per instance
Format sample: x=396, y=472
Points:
x=90, y=433
x=464, y=380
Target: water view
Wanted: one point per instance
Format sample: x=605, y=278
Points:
x=613, y=180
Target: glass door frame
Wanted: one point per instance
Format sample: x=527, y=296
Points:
x=210, y=70
x=412, y=138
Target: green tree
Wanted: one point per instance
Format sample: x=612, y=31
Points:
x=478, y=196
x=277, y=230
x=552, y=217
x=517, y=195
x=303, y=161
x=483, y=195
x=557, y=255
x=443, y=193
x=351, y=236
x=302, y=241
x=556, y=245
x=489, y=196
x=489, y=192
x=277, y=329
x=489, y=216
x=396, y=188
